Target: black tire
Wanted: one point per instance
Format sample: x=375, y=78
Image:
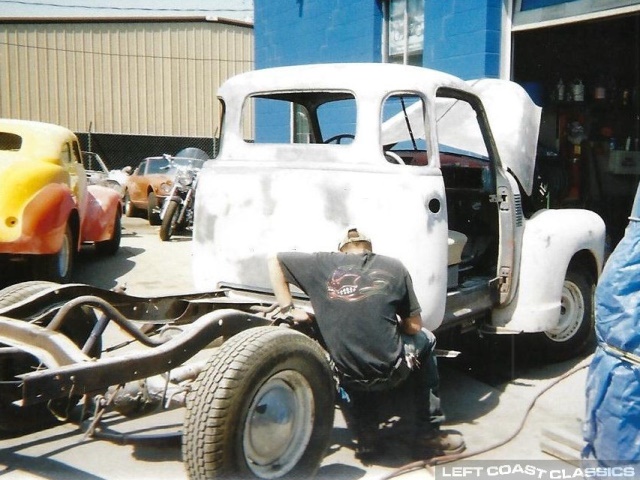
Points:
x=152, y=215
x=15, y=419
x=575, y=331
x=59, y=266
x=226, y=432
x=129, y=208
x=111, y=246
x=170, y=221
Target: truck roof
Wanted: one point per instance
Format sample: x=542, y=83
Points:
x=340, y=76
x=513, y=117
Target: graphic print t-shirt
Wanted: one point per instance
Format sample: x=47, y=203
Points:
x=355, y=298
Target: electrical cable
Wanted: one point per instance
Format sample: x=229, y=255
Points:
x=420, y=464
x=123, y=55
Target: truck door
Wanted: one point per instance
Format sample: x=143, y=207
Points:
x=480, y=198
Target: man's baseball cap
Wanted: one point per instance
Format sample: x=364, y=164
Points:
x=353, y=235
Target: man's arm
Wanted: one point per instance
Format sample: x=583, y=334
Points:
x=279, y=283
x=282, y=290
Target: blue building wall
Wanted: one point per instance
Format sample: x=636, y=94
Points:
x=462, y=37
x=294, y=32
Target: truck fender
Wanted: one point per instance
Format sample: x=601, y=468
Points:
x=552, y=238
x=99, y=218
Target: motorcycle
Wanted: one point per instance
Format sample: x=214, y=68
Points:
x=177, y=212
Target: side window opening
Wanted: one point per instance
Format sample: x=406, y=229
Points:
x=403, y=130
x=65, y=153
x=75, y=150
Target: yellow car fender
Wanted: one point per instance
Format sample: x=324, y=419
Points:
x=41, y=226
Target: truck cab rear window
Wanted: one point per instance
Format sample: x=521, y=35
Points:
x=300, y=117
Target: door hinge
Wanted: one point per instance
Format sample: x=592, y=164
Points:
x=505, y=280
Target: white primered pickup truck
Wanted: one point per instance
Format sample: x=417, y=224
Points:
x=438, y=171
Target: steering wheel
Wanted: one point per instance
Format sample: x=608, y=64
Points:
x=393, y=157
x=338, y=138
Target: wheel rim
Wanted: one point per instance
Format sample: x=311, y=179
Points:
x=63, y=258
x=572, y=309
x=279, y=425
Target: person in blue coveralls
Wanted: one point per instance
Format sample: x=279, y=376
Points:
x=612, y=423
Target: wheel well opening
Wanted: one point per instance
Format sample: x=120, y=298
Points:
x=74, y=223
x=585, y=261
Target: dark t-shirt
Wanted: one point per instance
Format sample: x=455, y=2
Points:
x=356, y=299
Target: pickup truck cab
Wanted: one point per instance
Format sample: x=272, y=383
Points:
x=47, y=210
x=438, y=171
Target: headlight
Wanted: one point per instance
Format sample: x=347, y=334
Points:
x=165, y=188
x=185, y=179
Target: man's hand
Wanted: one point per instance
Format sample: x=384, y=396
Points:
x=291, y=316
x=298, y=315
x=411, y=325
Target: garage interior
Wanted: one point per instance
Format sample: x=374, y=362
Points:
x=586, y=78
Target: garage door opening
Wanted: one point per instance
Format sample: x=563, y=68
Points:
x=586, y=76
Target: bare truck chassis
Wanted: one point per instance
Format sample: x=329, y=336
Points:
x=261, y=405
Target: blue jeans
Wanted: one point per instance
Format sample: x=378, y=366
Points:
x=359, y=406
x=426, y=396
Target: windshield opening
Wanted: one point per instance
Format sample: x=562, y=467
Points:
x=157, y=165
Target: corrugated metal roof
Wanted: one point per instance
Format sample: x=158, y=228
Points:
x=127, y=19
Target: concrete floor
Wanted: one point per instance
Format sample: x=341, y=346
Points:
x=487, y=394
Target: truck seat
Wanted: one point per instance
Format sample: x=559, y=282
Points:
x=457, y=241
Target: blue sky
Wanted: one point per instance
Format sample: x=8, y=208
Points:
x=235, y=9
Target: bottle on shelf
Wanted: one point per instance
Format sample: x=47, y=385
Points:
x=560, y=91
x=577, y=91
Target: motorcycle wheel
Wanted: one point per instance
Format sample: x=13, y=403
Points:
x=170, y=220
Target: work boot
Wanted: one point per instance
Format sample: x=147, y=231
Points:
x=368, y=445
x=437, y=443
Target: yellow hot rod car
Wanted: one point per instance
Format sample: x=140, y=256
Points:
x=47, y=209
